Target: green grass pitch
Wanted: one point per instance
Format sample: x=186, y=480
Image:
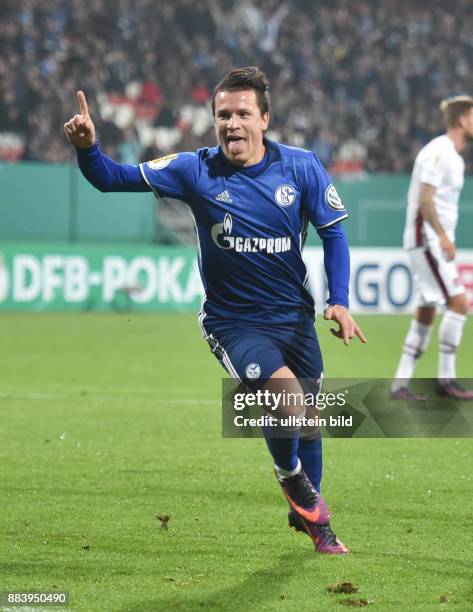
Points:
x=109, y=420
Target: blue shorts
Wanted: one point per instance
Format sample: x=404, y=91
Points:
x=251, y=354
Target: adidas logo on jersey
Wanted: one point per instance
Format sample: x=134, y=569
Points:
x=224, y=197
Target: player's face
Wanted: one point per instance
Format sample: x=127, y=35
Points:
x=467, y=124
x=240, y=126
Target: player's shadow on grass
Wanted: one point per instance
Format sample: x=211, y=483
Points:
x=261, y=586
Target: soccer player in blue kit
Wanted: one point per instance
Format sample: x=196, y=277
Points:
x=252, y=200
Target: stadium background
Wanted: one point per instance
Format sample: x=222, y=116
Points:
x=359, y=83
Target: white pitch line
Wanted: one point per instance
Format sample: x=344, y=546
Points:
x=94, y=396
x=32, y=396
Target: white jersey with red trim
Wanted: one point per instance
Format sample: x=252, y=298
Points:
x=438, y=164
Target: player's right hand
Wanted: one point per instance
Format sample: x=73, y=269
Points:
x=448, y=247
x=80, y=130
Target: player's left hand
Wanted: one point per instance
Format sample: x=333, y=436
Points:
x=347, y=328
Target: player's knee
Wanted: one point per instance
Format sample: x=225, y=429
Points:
x=291, y=404
x=286, y=394
x=425, y=315
x=458, y=304
x=309, y=432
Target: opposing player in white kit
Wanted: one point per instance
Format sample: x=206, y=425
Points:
x=429, y=238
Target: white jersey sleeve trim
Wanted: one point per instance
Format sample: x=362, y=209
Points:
x=432, y=169
x=427, y=177
x=143, y=174
x=332, y=222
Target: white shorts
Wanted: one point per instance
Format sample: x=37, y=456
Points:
x=435, y=278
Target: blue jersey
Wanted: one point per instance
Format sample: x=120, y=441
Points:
x=251, y=223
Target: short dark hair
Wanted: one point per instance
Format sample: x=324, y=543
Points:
x=239, y=79
x=454, y=108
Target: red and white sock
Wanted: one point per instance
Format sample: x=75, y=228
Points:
x=450, y=335
x=415, y=343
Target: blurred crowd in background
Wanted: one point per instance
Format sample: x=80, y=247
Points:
x=357, y=82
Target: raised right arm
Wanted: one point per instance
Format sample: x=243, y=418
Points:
x=105, y=174
x=102, y=172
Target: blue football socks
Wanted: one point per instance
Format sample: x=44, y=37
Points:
x=283, y=450
x=310, y=454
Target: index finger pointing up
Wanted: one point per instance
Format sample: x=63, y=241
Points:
x=82, y=103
